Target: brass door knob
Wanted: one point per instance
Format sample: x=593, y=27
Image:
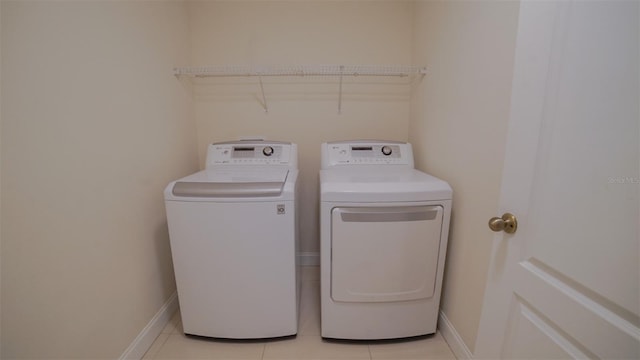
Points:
x=507, y=223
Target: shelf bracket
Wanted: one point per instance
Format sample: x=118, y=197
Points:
x=264, y=98
x=340, y=90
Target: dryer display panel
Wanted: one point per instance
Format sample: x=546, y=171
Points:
x=383, y=254
x=369, y=154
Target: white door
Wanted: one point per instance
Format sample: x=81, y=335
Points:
x=567, y=283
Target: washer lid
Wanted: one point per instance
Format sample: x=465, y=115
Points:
x=375, y=185
x=233, y=183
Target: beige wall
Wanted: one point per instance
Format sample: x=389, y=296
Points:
x=0, y=181
x=94, y=125
x=458, y=128
x=304, y=111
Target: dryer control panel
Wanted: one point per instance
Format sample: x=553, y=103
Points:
x=366, y=153
x=251, y=153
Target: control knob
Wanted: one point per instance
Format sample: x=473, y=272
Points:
x=386, y=150
x=267, y=151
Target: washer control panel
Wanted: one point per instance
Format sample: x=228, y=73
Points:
x=367, y=153
x=249, y=154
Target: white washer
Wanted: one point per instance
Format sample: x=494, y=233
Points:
x=233, y=238
x=383, y=239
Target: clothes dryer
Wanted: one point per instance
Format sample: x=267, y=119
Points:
x=384, y=228
x=233, y=236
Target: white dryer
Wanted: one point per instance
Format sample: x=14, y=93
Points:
x=383, y=239
x=233, y=238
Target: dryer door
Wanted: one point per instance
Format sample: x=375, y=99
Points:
x=382, y=254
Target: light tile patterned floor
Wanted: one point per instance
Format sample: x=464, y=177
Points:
x=173, y=344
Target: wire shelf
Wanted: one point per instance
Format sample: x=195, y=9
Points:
x=339, y=71
x=301, y=70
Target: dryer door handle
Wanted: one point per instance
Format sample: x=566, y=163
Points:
x=389, y=214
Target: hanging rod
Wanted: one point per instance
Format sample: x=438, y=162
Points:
x=301, y=70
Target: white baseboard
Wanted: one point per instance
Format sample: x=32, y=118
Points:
x=453, y=338
x=309, y=259
x=148, y=335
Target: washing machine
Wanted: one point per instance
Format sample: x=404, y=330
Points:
x=233, y=237
x=383, y=239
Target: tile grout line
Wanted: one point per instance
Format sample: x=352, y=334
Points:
x=161, y=346
x=264, y=348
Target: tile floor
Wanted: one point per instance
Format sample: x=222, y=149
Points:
x=173, y=344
